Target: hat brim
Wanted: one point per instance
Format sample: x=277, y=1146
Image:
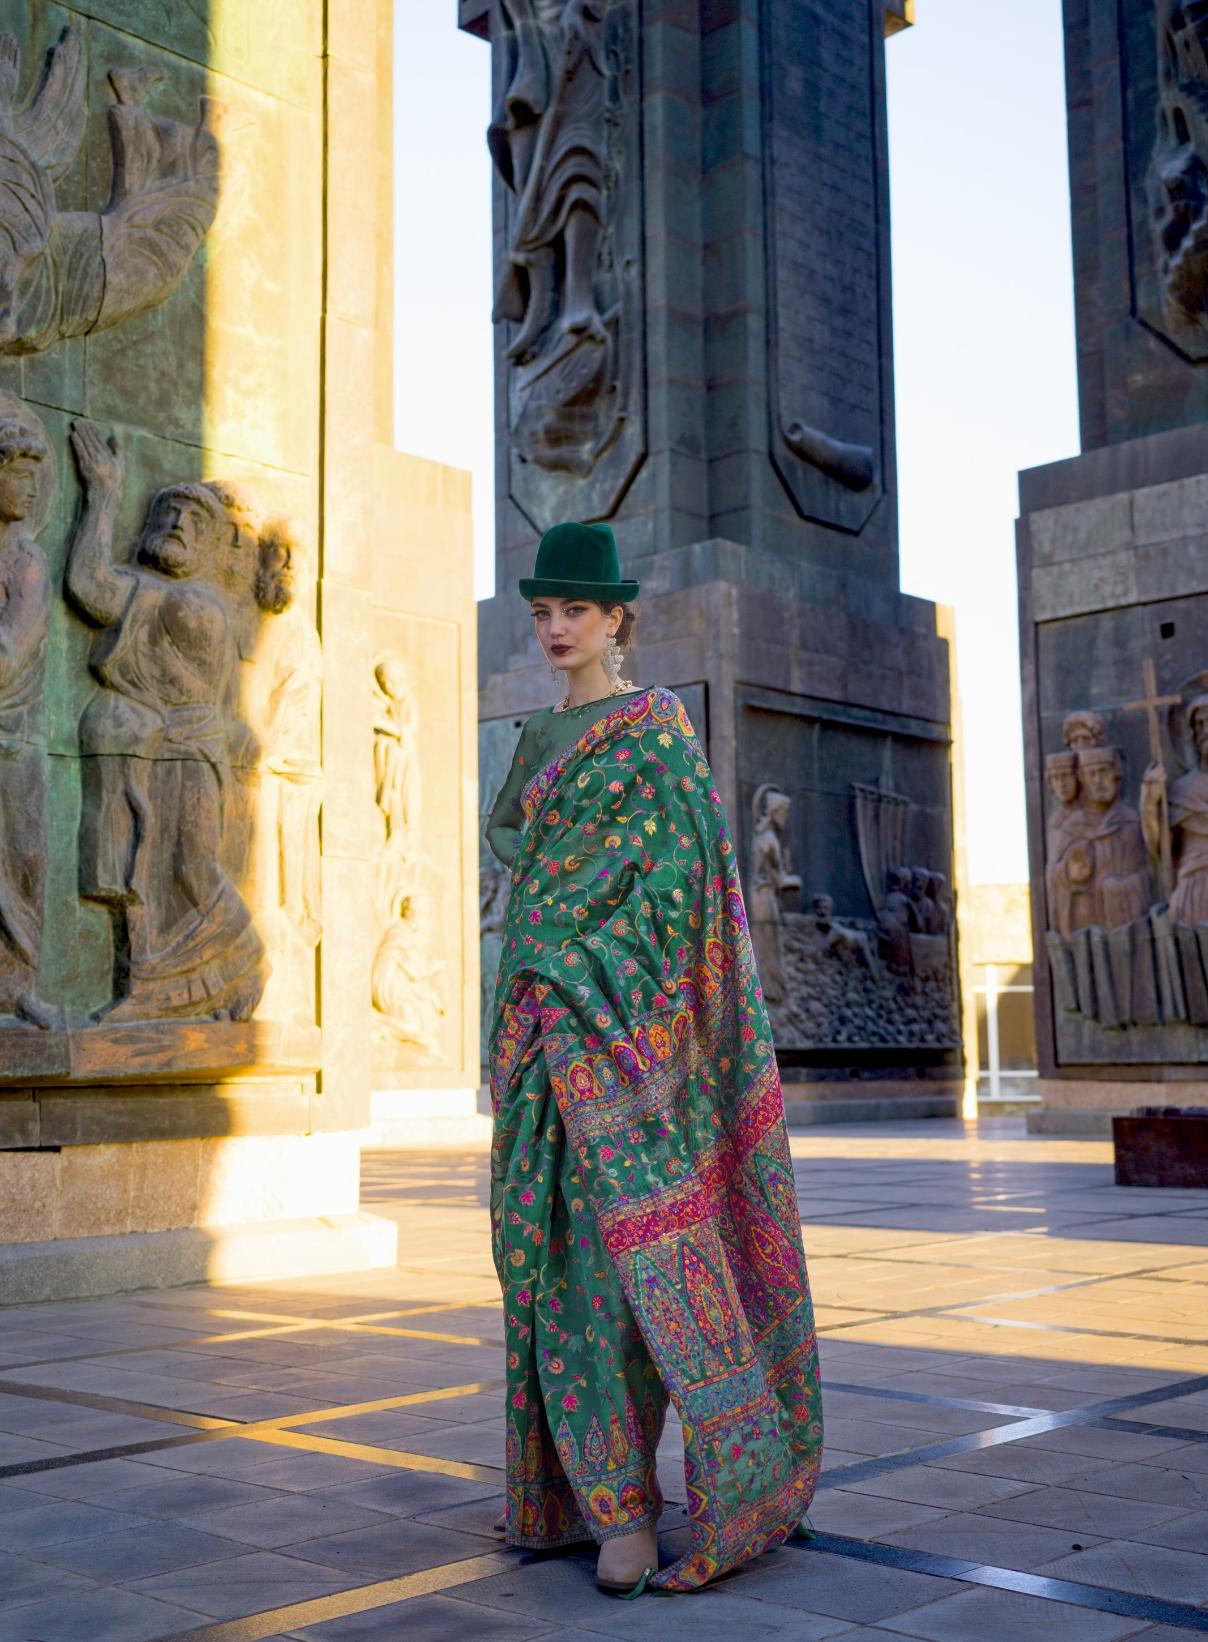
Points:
x=532, y=587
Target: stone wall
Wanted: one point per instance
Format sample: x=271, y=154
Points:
x=209, y=547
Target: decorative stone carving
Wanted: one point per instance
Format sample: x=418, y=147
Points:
x=154, y=740
x=406, y=997
x=1098, y=872
x=829, y=422
x=27, y=486
x=872, y=983
x=277, y=752
x=1178, y=173
x=853, y=466
x=772, y=880
x=565, y=138
x=1083, y=729
x=66, y=273
x=852, y=981
x=1178, y=819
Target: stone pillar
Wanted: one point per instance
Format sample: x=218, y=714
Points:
x=194, y=448
x=700, y=353
x=1114, y=593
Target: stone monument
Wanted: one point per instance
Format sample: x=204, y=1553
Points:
x=693, y=341
x=1114, y=590
x=223, y=670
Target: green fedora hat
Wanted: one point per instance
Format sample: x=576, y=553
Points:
x=578, y=560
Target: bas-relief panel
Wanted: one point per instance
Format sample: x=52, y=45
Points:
x=824, y=251
x=416, y=917
x=565, y=138
x=1165, y=75
x=845, y=831
x=213, y=732
x=261, y=42
x=1123, y=734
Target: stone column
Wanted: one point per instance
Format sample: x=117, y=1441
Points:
x=1114, y=595
x=700, y=353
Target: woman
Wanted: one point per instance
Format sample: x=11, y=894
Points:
x=645, y=1224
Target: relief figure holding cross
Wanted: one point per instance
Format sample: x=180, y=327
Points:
x=1182, y=815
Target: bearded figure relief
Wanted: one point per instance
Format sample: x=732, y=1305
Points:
x=67, y=273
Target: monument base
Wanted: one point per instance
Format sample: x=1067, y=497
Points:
x=81, y=1219
x=409, y=1120
x=870, y=1101
x=76, y=1268
x=1086, y=1106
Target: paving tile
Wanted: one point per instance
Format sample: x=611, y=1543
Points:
x=187, y=1496
x=280, y=1522
x=1103, y=1515
x=246, y=1584
x=976, y=1538
x=819, y=1582
x=99, y=1480
x=431, y=1619
x=95, y=1616
x=1152, y=1482
x=865, y=1516
x=932, y=1485
x=24, y=1580
x=408, y=1493
x=1125, y=1565
x=388, y=1550
x=153, y=1548
x=1186, y=1532
x=554, y=1590
x=53, y=1522
x=1026, y=1463
x=1005, y=1616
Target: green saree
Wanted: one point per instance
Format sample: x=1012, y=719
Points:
x=644, y=1221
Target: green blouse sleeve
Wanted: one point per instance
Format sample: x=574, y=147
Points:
x=506, y=820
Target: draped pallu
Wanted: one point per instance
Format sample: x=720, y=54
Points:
x=645, y=1224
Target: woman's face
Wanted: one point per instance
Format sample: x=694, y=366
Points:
x=573, y=632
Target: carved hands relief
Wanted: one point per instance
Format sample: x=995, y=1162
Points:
x=565, y=141
x=67, y=273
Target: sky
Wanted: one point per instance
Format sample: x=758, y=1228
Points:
x=983, y=323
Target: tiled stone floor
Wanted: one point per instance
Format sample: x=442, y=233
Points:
x=1016, y=1361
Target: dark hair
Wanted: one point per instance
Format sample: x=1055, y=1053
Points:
x=624, y=633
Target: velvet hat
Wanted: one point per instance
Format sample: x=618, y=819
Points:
x=575, y=560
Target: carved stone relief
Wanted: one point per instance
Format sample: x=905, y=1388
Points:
x=772, y=882
x=406, y=997
x=273, y=853
x=27, y=486
x=852, y=981
x=67, y=273
x=825, y=257
x=1127, y=889
x=1178, y=174
x=565, y=139
x=156, y=742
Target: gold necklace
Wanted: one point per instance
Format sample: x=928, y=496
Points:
x=621, y=687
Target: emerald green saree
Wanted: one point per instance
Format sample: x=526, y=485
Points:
x=644, y=1220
